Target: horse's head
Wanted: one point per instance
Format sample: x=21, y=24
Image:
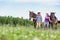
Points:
x=30, y=15
x=53, y=18
x=52, y=14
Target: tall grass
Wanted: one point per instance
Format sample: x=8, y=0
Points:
x=28, y=33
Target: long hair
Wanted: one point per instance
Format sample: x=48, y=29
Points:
x=47, y=14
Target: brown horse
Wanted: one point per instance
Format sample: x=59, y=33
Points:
x=32, y=15
x=53, y=22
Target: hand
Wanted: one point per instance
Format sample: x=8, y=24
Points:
x=50, y=21
x=55, y=21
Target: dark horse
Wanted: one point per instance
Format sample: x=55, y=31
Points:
x=32, y=15
x=53, y=21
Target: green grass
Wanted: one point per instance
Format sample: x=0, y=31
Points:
x=28, y=33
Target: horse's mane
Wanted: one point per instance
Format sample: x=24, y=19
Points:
x=34, y=15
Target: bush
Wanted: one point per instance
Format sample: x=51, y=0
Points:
x=14, y=21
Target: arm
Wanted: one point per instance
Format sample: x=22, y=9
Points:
x=56, y=19
x=49, y=19
x=41, y=18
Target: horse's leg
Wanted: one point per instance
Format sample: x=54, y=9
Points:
x=34, y=23
x=49, y=25
x=52, y=25
x=55, y=25
x=41, y=25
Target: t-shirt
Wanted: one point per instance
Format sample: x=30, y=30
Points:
x=46, y=19
x=39, y=18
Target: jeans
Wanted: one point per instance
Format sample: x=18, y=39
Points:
x=46, y=24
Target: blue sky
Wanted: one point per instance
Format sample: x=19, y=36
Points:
x=20, y=8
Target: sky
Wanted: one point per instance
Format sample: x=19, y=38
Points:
x=21, y=8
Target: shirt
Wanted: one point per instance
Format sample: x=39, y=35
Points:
x=39, y=19
x=46, y=19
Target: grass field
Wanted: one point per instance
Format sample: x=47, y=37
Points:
x=28, y=33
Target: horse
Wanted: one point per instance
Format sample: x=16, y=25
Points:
x=32, y=15
x=53, y=21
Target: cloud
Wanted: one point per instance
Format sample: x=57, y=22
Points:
x=48, y=2
x=35, y=0
x=30, y=0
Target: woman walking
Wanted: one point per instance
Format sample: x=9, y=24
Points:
x=46, y=21
x=39, y=20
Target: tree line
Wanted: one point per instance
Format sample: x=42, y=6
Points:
x=14, y=21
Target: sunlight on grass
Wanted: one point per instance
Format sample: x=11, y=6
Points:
x=27, y=33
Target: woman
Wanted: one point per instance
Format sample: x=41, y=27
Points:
x=39, y=19
x=46, y=21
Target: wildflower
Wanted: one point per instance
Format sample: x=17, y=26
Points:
x=11, y=31
x=3, y=32
x=52, y=36
x=26, y=36
x=46, y=38
x=46, y=35
x=42, y=34
x=14, y=34
x=6, y=30
x=35, y=38
x=30, y=34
